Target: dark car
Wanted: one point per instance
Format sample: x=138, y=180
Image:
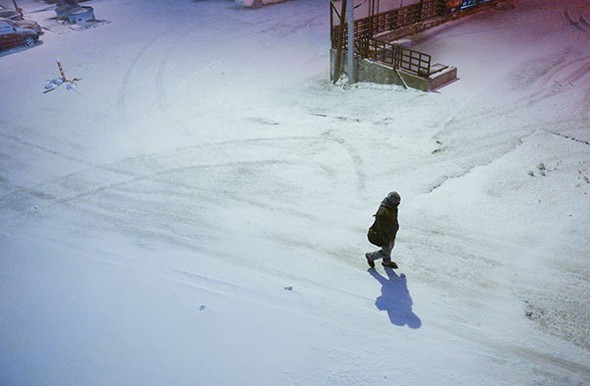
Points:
x=14, y=35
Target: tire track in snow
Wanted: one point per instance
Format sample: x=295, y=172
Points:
x=576, y=24
x=583, y=25
x=44, y=149
x=357, y=160
x=201, y=162
x=161, y=92
x=557, y=80
x=550, y=84
x=121, y=100
x=585, y=106
x=493, y=145
x=160, y=83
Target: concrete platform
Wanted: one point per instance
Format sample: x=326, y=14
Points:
x=376, y=72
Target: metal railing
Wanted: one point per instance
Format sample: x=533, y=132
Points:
x=390, y=20
x=395, y=55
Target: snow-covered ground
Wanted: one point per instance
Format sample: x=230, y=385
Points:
x=194, y=211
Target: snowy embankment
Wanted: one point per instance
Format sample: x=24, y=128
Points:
x=194, y=211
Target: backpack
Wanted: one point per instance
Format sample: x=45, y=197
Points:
x=376, y=235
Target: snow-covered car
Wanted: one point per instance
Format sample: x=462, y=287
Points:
x=25, y=24
x=256, y=3
x=10, y=13
x=13, y=35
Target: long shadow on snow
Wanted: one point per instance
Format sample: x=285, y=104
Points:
x=395, y=299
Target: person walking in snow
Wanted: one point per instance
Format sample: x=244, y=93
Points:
x=383, y=231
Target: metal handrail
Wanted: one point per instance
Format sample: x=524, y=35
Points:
x=395, y=55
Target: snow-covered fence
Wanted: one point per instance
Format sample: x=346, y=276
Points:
x=373, y=17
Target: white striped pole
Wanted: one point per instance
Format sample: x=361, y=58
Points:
x=61, y=71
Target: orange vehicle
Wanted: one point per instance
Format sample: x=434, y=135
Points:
x=14, y=35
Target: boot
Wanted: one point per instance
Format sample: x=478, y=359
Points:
x=389, y=263
x=371, y=263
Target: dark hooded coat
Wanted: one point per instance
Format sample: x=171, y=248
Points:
x=385, y=226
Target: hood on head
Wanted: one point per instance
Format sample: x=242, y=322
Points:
x=392, y=199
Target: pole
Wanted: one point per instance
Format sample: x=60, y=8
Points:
x=16, y=8
x=61, y=71
x=339, y=43
x=350, y=68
